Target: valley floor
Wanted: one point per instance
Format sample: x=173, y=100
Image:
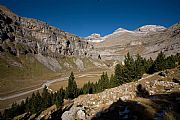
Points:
x=7, y=98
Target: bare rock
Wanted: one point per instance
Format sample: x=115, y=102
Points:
x=79, y=64
x=49, y=62
x=74, y=113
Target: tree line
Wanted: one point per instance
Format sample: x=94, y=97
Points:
x=40, y=101
x=36, y=103
x=131, y=70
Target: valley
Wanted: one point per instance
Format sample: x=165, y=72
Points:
x=53, y=85
x=94, y=77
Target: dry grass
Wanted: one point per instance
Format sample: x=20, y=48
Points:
x=80, y=82
x=148, y=104
x=92, y=75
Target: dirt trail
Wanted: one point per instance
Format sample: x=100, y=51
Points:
x=47, y=83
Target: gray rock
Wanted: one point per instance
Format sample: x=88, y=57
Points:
x=81, y=115
x=67, y=115
x=74, y=113
x=25, y=35
x=79, y=64
x=49, y=62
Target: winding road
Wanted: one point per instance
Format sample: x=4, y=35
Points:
x=47, y=83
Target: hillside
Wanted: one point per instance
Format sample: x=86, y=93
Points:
x=36, y=60
x=152, y=97
x=33, y=52
x=122, y=101
x=147, y=41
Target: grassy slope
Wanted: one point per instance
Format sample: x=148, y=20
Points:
x=25, y=72
x=29, y=72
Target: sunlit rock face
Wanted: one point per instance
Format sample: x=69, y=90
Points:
x=24, y=35
x=151, y=28
x=96, y=38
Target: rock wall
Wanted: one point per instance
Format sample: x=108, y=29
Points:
x=90, y=105
x=20, y=35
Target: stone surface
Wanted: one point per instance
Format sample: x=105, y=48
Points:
x=20, y=35
x=74, y=113
x=79, y=64
x=94, y=103
x=49, y=62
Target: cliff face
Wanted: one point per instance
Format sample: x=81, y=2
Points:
x=31, y=52
x=20, y=35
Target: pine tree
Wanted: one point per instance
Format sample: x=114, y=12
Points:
x=46, y=96
x=39, y=101
x=118, y=74
x=130, y=65
x=177, y=58
x=103, y=82
x=148, y=65
x=27, y=105
x=72, y=87
x=59, y=97
x=33, y=103
x=88, y=88
x=170, y=62
x=22, y=107
x=159, y=63
x=106, y=81
x=113, y=81
x=139, y=67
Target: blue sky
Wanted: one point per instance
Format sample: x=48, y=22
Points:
x=83, y=17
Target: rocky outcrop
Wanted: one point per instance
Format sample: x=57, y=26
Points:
x=20, y=35
x=49, y=62
x=151, y=28
x=92, y=104
x=94, y=38
x=74, y=113
x=79, y=63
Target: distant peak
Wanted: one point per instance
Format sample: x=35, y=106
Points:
x=94, y=38
x=120, y=29
x=94, y=35
x=151, y=28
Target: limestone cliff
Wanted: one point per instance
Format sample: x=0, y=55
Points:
x=20, y=35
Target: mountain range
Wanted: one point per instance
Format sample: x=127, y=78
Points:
x=32, y=53
x=147, y=41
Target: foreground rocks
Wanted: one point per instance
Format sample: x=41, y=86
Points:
x=122, y=102
x=88, y=106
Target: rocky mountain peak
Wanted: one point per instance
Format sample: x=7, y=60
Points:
x=151, y=28
x=122, y=30
x=94, y=35
x=94, y=38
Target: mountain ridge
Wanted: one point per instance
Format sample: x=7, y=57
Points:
x=147, y=44
x=145, y=29
x=31, y=51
